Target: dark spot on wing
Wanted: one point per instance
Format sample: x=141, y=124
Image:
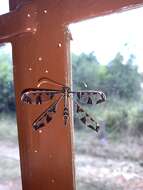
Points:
x=91, y=127
x=97, y=127
x=51, y=95
x=79, y=109
x=83, y=119
x=94, y=128
x=48, y=118
x=89, y=101
x=99, y=101
x=92, y=119
x=27, y=99
x=39, y=99
x=52, y=109
x=37, y=126
x=87, y=115
x=78, y=95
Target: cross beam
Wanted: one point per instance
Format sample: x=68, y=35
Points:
x=18, y=22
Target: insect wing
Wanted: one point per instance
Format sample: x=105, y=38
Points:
x=47, y=116
x=44, y=119
x=102, y=98
x=90, y=97
x=85, y=118
x=38, y=96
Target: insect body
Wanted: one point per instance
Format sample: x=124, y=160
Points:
x=40, y=95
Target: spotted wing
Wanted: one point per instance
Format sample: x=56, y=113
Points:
x=85, y=118
x=38, y=96
x=47, y=116
x=90, y=97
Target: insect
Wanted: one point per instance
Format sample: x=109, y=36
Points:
x=40, y=95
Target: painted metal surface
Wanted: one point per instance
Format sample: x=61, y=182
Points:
x=40, y=39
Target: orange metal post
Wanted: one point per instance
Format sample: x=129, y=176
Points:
x=40, y=39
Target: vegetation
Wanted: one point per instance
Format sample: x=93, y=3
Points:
x=117, y=79
x=7, y=101
x=121, y=82
x=8, y=130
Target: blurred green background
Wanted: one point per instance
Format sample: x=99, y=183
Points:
x=121, y=82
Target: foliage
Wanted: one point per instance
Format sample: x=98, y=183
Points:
x=115, y=78
x=123, y=79
x=121, y=82
x=8, y=130
x=137, y=122
x=117, y=120
x=6, y=84
x=85, y=68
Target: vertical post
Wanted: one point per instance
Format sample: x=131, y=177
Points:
x=46, y=155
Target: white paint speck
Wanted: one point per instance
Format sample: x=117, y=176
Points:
x=28, y=15
x=30, y=69
x=35, y=30
x=39, y=58
x=45, y=11
x=28, y=29
x=40, y=131
x=59, y=45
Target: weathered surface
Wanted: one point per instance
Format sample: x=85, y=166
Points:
x=46, y=158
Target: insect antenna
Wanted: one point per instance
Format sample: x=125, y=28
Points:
x=47, y=80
